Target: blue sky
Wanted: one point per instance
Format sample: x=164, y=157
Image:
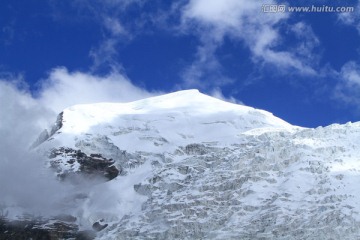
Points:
x=303, y=67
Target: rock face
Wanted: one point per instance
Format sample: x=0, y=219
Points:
x=78, y=162
x=41, y=230
x=45, y=135
x=187, y=166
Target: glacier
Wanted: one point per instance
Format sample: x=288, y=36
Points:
x=189, y=166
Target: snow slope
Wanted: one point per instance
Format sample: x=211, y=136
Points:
x=172, y=118
x=192, y=166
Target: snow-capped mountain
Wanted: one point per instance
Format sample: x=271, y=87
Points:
x=188, y=166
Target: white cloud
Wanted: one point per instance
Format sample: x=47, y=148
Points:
x=63, y=89
x=205, y=66
x=26, y=185
x=107, y=16
x=17, y=104
x=244, y=21
x=309, y=40
x=351, y=74
x=24, y=182
x=351, y=18
x=217, y=93
x=114, y=26
x=347, y=89
x=105, y=54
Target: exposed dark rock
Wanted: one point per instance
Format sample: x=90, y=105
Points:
x=111, y=172
x=98, y=226
x=66, y=218
x=91, y=166
x=45, y=135
x=58, y=124
x=41, y=230
x=195, y=149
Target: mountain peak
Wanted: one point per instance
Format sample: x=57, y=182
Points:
x=228, y=171
x=193, y=91
x=183, y=106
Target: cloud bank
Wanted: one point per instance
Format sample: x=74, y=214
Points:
x=63, y=89
x=26, y=185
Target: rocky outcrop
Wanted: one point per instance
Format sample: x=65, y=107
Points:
x=41, y=229
x=68, y=161
x=45, y=135
x=58, y=124
x=97, y=226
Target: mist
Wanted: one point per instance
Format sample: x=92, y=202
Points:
x=26, y=185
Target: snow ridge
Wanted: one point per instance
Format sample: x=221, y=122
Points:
x=195, y=167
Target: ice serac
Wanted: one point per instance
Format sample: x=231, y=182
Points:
x=188, y=166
